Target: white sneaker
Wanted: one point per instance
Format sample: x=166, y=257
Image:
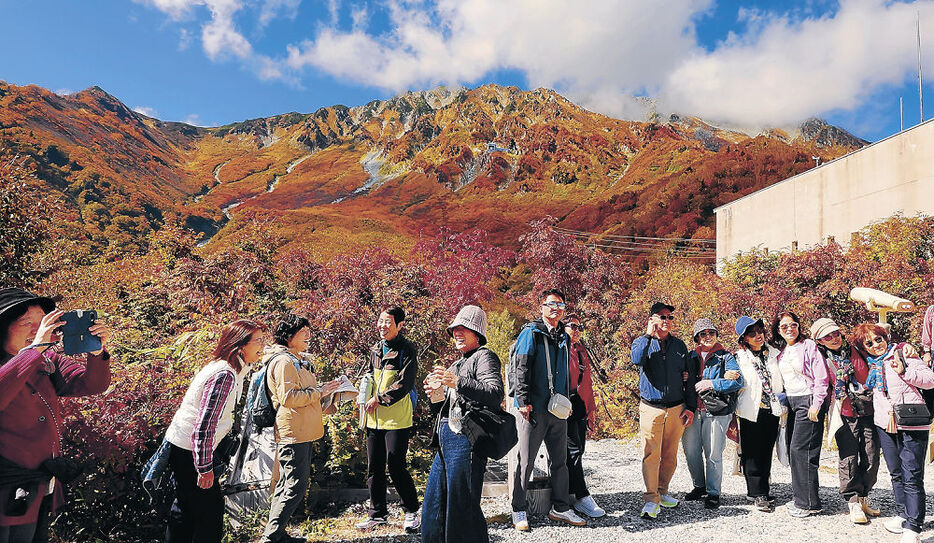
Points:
x=669, y=501
x=911, y=536
x=568, y=517
x=370, y=523
x=520, y=521
x=587, y=506
x=650, y=510
x=411, y=523
x=857, y=516
x=894, y=525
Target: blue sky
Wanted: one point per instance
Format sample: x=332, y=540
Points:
x=749, y=64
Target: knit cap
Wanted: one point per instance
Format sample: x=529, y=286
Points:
x=473, y=318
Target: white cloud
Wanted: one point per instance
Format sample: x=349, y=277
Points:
x=780, y=67
x=147, y=111
x=64, y=92
x=786, y=71
x=193, y=120
x=184, y=39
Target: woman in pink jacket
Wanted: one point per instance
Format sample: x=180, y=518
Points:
x=896, y=380
x=806, y=381
x=33, y=378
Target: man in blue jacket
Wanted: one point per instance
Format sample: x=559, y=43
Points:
x=666, y=407
x=541, y=343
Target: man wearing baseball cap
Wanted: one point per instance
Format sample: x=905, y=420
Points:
x=666, y=406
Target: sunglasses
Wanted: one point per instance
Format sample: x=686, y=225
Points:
x=707, y=333
x=789, y=326
x=555, y=305
x=877, y=341
x=576, y=327
x=832, y=335
x=753, y=332
x=666, y=317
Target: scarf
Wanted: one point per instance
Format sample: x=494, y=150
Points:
x=876, y=377
x=845, y=372
x=760, y=360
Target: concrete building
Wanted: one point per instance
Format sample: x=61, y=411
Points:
x=835, y=199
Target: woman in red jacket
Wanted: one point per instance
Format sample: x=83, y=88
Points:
x=33, y=376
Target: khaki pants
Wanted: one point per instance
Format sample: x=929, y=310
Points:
x=660, y=430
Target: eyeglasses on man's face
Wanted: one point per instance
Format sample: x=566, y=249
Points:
x=555, y=305
x=666, y=317
x=878, y=340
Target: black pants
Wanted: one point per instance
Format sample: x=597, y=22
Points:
x=858, y=446
x=197, y=516
x=757, y=441
x=577, y=440
x=388, y=448
x=804, y=442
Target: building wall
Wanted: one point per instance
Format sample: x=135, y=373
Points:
x=836, y=199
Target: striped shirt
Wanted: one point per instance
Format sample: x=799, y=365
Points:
x=216, y=391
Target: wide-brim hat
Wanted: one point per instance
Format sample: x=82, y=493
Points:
x=744, y=323
x=473, y=318
x=822, y=327
x=11, y=298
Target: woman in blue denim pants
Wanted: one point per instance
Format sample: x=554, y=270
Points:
x=718, y=376
x=451, y=509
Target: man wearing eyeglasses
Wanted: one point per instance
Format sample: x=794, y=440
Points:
x=666, y=407
x=541, y=343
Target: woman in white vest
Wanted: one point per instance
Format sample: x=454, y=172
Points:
x=759, y=408
x=203, y=419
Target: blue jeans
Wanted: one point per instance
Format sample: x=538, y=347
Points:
x=904, y=455
x=451, y=510
x=706, y=437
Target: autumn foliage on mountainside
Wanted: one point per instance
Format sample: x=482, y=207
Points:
x=491, y=158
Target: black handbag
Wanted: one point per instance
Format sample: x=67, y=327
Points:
x=719, y=403
x=860, y=400
x=491, y=432
x=910, y=414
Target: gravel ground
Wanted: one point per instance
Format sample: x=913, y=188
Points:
x=615, y=480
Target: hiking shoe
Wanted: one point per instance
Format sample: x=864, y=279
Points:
x=696, y=494
x=520, y=521
x=712, y=501
x=370, y=523
x=857, y=516
x=587, y=506
x=668, y=501
x=568, y=517
x=650, y=510
x=763, y=504
x=752, y=499
x=411, y=523
x=910, y=536
x=868, y=508
x=797, y=512
x=894, y=525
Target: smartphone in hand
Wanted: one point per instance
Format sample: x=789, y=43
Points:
x=76, y=335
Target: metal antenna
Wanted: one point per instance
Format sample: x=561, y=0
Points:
x=920, y=88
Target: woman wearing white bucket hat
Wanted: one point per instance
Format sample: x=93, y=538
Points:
x=451, y=509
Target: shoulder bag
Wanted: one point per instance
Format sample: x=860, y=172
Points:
x=558, y=404
x=907, y=414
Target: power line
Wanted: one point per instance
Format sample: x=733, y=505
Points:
x=689, y=240
x=634, y=245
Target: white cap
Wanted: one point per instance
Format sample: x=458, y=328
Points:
x=473, y=318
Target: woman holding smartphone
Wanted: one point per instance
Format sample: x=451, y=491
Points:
x=34, y=375
x=203, y=419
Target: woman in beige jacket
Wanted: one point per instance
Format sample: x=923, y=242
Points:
x=298, y=399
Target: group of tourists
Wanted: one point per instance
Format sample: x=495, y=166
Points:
x=772, y=388
x=777, y=387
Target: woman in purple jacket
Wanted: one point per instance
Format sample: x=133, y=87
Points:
x=33, y=376
x=896, y=380
x=806, y=381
